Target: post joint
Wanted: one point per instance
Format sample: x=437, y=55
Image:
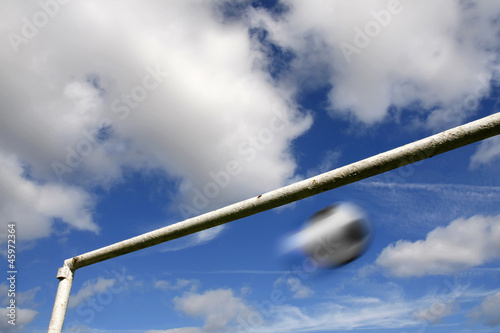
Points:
x=66, y=271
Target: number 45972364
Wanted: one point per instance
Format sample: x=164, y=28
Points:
x=11, y=245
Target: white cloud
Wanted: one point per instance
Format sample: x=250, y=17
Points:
x=436, y=312
x=23, y=318
x=359, y=300
x=488, y=152
x=219, y=308
x=196, y=239
x=488, y=311
x=90, y=289
x=295, y=286
x=24, y=315
x=245, y=290
x=34, y=205
x=209, y=234
x=161, y=284
x=164, y=86
x=180, y=69
x=334, y=317
x=224, y=312
x=438, y=55
x=24, y=298
x=347, y=312
x=464, y=243
x=179, y=284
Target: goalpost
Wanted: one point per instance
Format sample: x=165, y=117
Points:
x=433, y=145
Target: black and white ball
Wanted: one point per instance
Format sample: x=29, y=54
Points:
x=333, y=236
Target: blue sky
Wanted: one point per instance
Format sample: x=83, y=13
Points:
x=125, y=116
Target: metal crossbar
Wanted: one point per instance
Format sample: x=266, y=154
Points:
x=433, y=145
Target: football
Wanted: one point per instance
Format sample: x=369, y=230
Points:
x=334, y=236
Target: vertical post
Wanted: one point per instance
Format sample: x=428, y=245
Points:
x=65, y=275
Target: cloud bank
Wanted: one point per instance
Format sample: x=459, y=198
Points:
x=162, y=87
x=463, y=244
x=434, y=58
x=178, y=90
x=488, y=310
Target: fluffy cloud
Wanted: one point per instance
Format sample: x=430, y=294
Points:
x=333, y=317
x=196, y=239
x=217, y=307
x=295, y=286
x=164, y=86
x=464, y=243
x=25, y=315
x=488, y=151
x=33, y=205
x=437, y=57
x=488, y=311
x=90, y=289
x=179, y=284
x=168, y=86
x=224, y=312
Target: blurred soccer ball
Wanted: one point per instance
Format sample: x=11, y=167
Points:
x=334, y=236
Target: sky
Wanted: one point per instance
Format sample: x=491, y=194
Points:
x=121, y=117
